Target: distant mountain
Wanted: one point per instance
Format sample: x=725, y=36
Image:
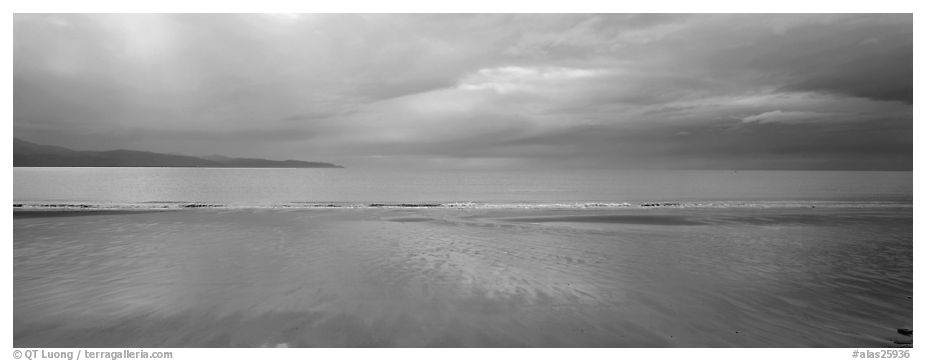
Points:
x=28, y=154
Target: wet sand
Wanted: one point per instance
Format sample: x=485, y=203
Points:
x=790, y=277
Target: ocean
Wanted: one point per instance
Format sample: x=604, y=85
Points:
x=190, y=257
x=158, y=187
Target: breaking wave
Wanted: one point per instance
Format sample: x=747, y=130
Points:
x=159, y=205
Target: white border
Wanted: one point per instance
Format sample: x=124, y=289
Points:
x=417, y=6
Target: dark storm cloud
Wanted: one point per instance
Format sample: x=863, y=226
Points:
x=615, y=90
x=872, y=59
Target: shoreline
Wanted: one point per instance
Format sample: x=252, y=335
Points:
x=670, y=216
x=64, y=206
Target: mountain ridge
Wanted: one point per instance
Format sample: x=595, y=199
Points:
x=28, y=154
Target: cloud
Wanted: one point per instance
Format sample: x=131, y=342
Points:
x=509, y=79
x=778, y=116
x=836, y=55
x=672, y=90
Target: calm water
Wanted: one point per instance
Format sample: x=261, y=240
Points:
x=250, y=187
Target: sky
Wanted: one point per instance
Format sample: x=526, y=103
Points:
x=477, y=91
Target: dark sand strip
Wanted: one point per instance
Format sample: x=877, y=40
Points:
x=661, y=220
x=18, y=214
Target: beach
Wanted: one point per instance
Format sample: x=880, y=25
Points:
x=782, y=276
x=591, y=179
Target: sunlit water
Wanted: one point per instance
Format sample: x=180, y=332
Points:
x=789, y=259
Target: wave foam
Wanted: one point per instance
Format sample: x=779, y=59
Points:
x=158, y=205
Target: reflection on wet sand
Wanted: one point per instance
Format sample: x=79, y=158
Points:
x=465, y=278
